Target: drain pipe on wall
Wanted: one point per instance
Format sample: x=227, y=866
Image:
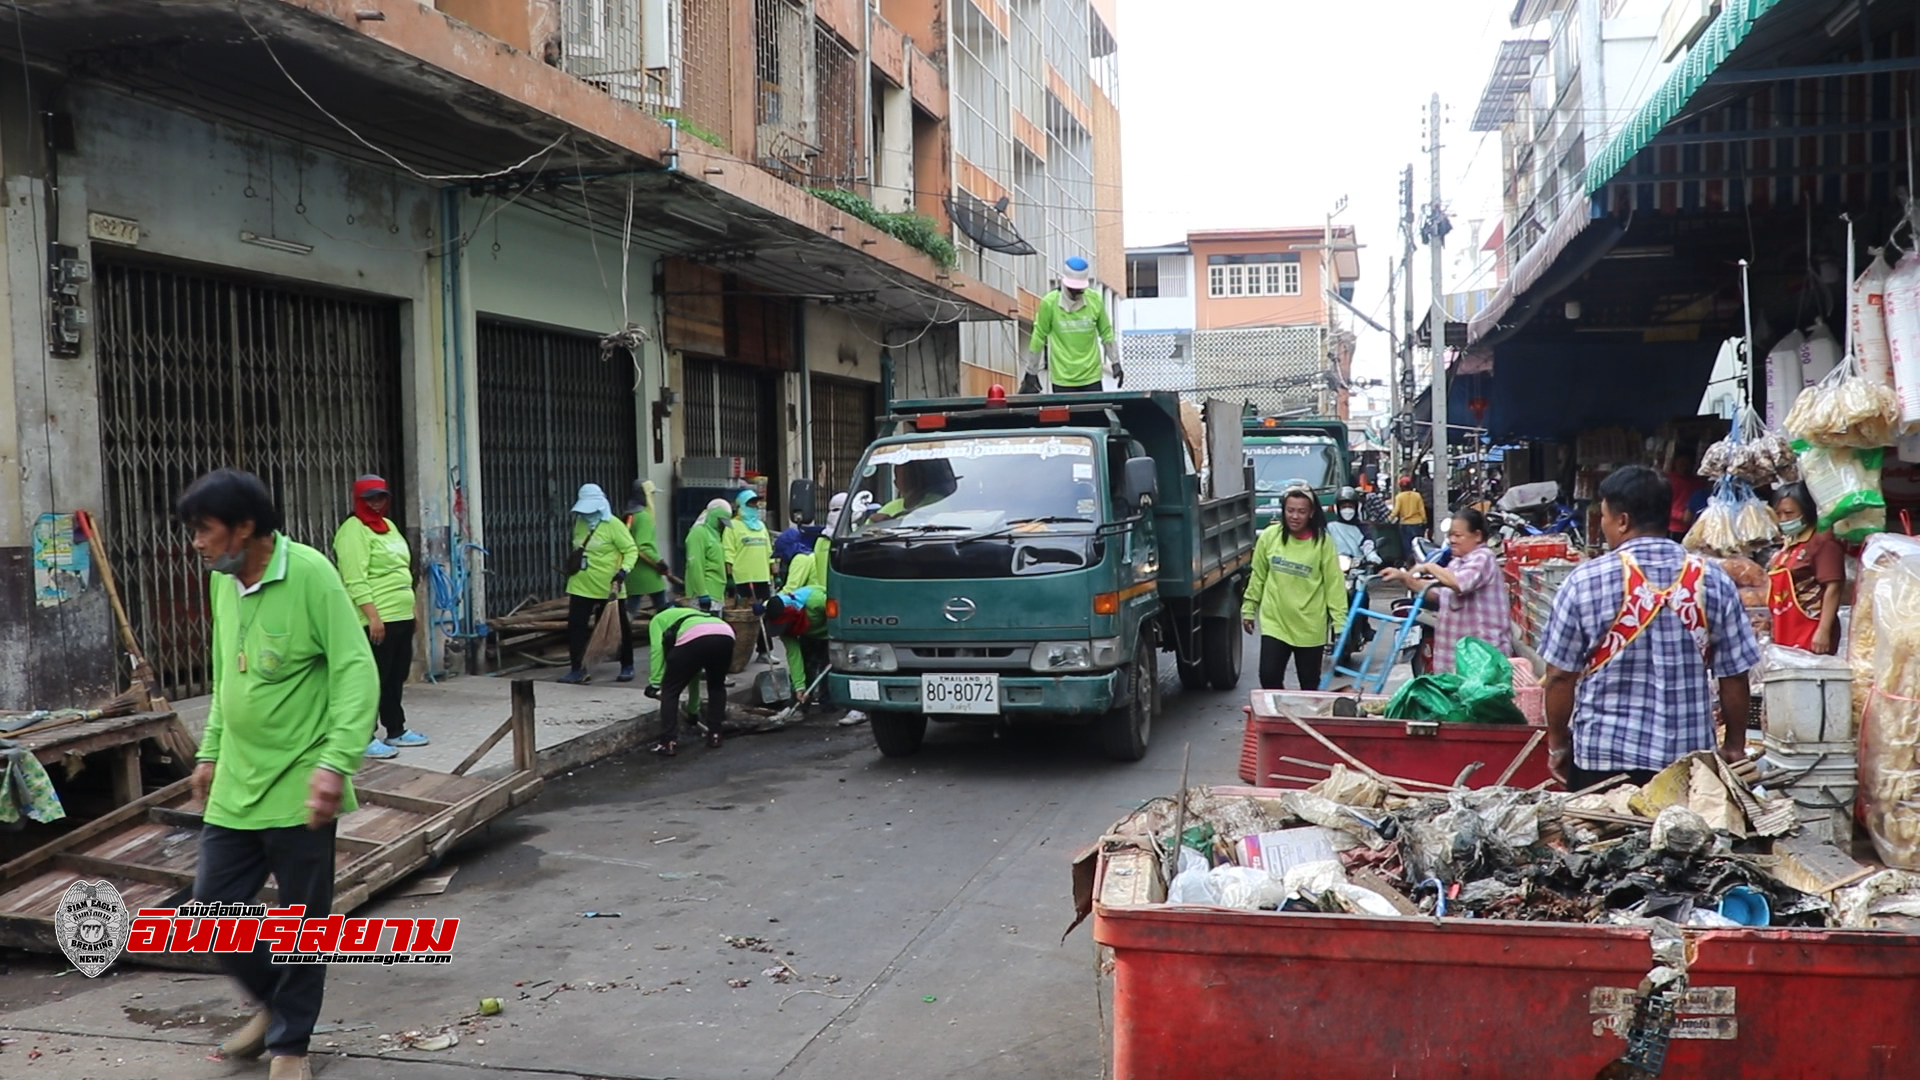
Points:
x=806, y=396
x=673, y=144
x=451, y=340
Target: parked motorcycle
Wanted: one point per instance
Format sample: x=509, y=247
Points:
x=1360, y=574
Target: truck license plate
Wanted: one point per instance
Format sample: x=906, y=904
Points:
x=977, y=694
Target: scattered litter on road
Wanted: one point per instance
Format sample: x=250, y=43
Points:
x=490, y=1006
x=738, y=983
x=599, y=914
x=929, y=999
x=444, y=1039
x=666, y=840
x=679, y=875
x=822, y=993
x=741, y=941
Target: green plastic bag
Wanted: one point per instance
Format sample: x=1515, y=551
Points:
x=1480, y=691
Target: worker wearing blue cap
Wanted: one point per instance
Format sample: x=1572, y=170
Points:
x=1073, y=339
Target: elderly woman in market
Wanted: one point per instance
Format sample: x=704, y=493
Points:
x=377, y=568
x=599, y=559
x=1473, y=603
x=1805, y=579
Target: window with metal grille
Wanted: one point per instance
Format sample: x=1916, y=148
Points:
x=842, y=428
x=730, y=413
x=553, y=416
x=198, y=372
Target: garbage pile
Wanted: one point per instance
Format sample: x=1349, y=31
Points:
x=1697, y=847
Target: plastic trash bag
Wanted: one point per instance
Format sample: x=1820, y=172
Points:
x=1480, y=690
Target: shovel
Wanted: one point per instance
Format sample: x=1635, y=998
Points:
x=775, y=684
x=787, y=713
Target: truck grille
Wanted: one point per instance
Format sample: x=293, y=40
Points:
x=956, y=657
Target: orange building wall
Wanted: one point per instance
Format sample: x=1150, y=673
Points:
x=1109, y=238
x=1228, y=313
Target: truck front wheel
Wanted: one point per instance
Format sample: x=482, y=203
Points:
x=898, y=734
x=1220, y=647
x=1124, y=730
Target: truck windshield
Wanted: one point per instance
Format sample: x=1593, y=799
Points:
x=1276, y=465
x=961, y=485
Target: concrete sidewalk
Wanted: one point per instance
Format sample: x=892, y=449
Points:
x=573, y=725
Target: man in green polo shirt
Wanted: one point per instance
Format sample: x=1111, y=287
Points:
x=1073, y=339
x=294, y=695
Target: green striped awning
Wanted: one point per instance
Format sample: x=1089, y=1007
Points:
x=1727, y=31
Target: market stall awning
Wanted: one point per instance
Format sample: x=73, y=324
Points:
x=1554, y=390
x=1716, y=44
x=1541, y=272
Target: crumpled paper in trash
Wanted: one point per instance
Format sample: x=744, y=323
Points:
x=1889, y=892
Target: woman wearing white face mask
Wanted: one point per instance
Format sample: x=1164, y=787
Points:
x=1805, y=579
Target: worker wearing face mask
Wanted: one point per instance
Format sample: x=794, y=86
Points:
x=1073, y=339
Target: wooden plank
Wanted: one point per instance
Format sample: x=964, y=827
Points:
x=126, y=773
x=441, y=787
x=486, y=744
x=381, y=825
x=116, y=871
x=93, y=736
x=412, y=804
x=522, y=720
x=98, y=827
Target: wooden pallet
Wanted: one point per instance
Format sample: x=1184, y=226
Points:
x=150, y=848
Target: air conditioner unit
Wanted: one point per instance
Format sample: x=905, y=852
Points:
x=1683, y=24
x=659, y=32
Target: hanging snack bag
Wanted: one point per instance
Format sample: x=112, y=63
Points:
x=1866, y=311
x=1843, y=481
x=1785, y=378
x=1844, y=409
x=1819, y=353
x=1902, y=306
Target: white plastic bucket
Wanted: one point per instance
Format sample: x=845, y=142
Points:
x=1808, y=705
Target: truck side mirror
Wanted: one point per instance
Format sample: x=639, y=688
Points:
x=800, y=499
x=1141, y=481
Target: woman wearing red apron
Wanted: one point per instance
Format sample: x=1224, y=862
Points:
x=1804, y=580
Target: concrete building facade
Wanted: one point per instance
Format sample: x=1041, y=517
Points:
x=490, y=249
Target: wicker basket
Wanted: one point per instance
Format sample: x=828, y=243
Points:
x=746, y=636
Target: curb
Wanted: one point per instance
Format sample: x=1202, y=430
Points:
x=617, y=737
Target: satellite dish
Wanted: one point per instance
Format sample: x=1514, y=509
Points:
x=987, y=225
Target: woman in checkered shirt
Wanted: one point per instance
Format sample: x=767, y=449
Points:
x=1473, y=602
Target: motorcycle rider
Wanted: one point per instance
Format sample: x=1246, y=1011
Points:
x=1349, y=541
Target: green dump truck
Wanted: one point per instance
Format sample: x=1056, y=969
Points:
x=1296, y=450
x=1027, y=559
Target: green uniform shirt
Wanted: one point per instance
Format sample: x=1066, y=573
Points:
x=645, y=580
x=707, y=559
x=609, y=550
x=377, y=569
x=1297, y=588
x=673, y=619
x=749, y=550
x=809, y=569
x=303, y=697
x=1072, y=339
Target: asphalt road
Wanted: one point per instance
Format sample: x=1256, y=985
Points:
x=889, y=917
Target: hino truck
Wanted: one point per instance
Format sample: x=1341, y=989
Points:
x=1028, y=559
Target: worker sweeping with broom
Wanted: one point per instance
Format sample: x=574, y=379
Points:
x=598, y=561
x=799, y=619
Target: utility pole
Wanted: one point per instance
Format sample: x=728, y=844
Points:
x=1437, y=319
x=1403, y=375
x=1393, y=383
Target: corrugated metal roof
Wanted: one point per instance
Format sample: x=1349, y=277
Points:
x=1729, y=29
x=1512, y=72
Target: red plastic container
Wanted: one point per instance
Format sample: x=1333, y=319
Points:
x=1205, y=995
x=1411, y=750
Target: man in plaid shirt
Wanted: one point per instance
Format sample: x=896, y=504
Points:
x=1639, y=644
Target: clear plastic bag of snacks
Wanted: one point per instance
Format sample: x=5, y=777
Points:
x=1844, y=409
x=1890, y=720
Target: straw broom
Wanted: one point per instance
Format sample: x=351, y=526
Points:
x=606, y=635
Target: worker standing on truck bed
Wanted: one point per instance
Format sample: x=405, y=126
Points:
x=1640, y=644
x=1073, y=339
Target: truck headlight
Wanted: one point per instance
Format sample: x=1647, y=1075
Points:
x=1052, y=656
x=846, y=656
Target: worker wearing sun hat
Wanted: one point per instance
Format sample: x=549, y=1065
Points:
x=1073, y=339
